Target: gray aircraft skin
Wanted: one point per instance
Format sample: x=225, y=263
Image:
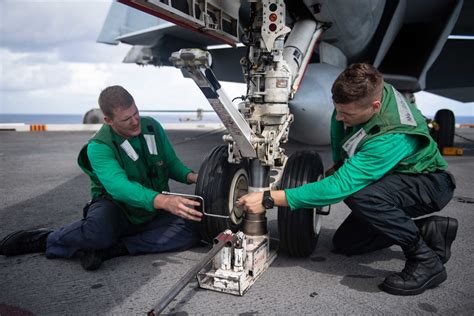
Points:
x=402, y=38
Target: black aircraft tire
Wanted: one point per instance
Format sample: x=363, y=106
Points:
x=298, y=236
x=220, y=183
x=444, y=137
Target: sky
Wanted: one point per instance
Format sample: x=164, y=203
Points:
x=50, y=63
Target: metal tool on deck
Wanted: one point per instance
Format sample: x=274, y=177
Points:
x=234, y=263
x=222, y=240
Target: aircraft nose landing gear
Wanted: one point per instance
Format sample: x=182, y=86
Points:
x=273, y=70
x=240, y=263
x=221, y=183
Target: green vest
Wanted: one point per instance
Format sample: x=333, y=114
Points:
x=147, y=167
x=396, y=116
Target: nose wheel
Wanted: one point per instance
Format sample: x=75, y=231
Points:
x=299, y=229
x=221, y=183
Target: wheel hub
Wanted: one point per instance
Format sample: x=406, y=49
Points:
x=238, y=188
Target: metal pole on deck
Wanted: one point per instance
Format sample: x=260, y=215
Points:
x=220, y=241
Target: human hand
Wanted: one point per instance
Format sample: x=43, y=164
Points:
x=252, y=202
x=192, y=177
x=178, y=205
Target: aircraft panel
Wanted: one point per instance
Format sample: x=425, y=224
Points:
x=452, y=75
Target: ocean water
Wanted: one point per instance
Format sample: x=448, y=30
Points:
x=162, y=117
x=77, y=118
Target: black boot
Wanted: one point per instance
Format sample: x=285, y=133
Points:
x=438, y=233
x=24, y=241
x=423, y=270
x=92, y=259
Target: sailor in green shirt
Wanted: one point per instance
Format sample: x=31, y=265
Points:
x=388, y=170
x=129, y=162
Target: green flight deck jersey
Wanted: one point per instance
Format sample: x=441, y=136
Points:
x=395, y=140
x=132, y=171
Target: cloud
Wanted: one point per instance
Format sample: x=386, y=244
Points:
x=92, y=52
x=32, y=25
x=51, y=63
x=25, y=71
x=73, y=88
x=68, y=28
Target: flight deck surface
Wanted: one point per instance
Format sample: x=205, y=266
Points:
x=42, y=186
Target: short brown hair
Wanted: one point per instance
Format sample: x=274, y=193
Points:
x=360, y=83
x=114, y=97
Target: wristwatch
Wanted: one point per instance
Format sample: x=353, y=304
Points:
x=267, y=200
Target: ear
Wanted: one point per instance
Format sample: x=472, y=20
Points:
x=107, y=120
x=376, y=105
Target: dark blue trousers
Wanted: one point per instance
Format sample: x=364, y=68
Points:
x=382, y=212
x=104, y=224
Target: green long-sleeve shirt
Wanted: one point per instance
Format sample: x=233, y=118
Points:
x=376, y=158
x=115, y=180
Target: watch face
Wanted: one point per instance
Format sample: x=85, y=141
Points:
x=268, y=202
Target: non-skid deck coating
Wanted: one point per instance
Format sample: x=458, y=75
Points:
x=42, y=186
